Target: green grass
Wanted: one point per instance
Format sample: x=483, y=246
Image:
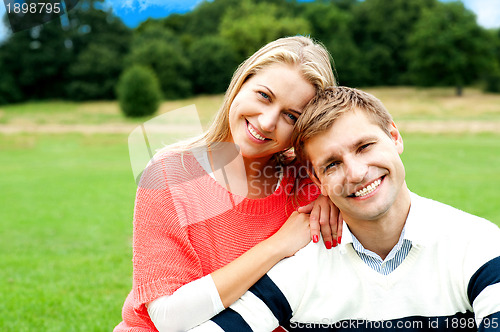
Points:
x=65, y=220
x=460, y=170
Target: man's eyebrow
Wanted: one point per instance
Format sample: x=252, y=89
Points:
x=326, y=161
x=363, y=140
x=331, y=157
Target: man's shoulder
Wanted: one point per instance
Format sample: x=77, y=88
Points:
x=438, y=222
x=438, y=212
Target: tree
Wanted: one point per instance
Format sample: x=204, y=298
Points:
x=447, y=47
x=98, y=41
x=326, y=17
x=95, y=73
x=213, y=63
x=492, y=75
x=138, y=92
x=251, y=25
x=381, y=30
x=46, y=61
x=160, y=49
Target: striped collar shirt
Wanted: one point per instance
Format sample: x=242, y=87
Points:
x=395, y=257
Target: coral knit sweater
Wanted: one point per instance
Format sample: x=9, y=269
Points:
x=186, y=226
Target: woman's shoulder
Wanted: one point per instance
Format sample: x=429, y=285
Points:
x=176, y=165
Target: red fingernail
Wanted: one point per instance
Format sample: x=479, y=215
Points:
x=328, y=245
x=340, y=239
x=315, y=238
x=334, y=243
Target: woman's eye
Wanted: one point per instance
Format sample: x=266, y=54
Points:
x=264, y=95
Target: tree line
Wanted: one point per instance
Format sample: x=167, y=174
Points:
x=373, y=43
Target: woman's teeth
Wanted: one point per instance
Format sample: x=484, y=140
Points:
x=254, y=133
x=368, y=189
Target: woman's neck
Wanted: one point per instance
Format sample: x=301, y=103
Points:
x=248, y=177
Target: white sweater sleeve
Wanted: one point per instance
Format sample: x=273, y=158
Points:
x=189, y=306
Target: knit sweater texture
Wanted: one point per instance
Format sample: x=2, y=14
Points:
x=186, y=226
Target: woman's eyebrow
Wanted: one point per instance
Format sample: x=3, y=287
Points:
x=268, y=89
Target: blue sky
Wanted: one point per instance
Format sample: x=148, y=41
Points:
x=133, y=12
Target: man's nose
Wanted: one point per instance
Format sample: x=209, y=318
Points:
x=355, y=170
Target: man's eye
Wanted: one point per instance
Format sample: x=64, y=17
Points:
x=332, y=165
x=364, y=146
x=292, y=117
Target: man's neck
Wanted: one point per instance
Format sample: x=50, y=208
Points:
x=382, y=234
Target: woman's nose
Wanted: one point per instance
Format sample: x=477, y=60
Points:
x=269, y=119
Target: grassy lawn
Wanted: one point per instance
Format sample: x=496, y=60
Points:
x=67, y=204
x=65, y=220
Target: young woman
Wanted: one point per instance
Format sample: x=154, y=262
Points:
x=213, y=215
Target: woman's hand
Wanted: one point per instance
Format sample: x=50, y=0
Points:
x=326, y=218
x=294, y=235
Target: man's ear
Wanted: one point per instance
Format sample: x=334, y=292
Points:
x=396, y=137
x=315, y=179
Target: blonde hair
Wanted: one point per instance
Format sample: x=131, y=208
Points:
x=324, y=109
x=311, y=58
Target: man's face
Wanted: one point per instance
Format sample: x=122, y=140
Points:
x=358, y=166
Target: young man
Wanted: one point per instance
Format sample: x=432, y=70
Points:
x=405, y=262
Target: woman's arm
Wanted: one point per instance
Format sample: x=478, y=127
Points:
x=193, y=303
x=234, y=279
x=200, y=300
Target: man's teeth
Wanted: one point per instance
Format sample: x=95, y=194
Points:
x=368, y=189
x=254, y=133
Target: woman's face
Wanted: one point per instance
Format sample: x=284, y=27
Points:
x=264, y=111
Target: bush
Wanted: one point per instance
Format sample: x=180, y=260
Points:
x=138, y=92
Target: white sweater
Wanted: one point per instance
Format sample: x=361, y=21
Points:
x=450, y=280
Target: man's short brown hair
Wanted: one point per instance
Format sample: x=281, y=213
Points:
x=324, y=109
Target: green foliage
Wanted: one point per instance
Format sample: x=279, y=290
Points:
x=37, y=59
x=55, y=61
x=447, y=47
x=162, y=51
x=326, y=17
x=251, y=25
x=99, y=41
x=492, y=78
x=373, y=42
x=213, y=63
x=380, y=29
x=206, y=17
x=95, y=73
x=492, y=74
x=138, y=92
x=9, y=92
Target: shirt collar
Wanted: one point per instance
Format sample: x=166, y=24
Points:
x=411, y=231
